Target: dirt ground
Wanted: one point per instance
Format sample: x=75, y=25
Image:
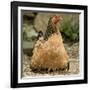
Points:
x=73, y=52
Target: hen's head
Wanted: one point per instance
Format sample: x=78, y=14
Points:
x=55, y=19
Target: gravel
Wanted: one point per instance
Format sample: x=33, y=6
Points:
x=73, y=52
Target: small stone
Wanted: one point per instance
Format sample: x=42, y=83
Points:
x=74, y=67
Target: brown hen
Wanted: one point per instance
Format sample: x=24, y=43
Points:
x=49, y=52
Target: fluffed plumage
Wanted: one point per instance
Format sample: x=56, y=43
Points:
x=49, y=52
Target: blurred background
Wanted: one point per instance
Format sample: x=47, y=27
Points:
x=33, y=22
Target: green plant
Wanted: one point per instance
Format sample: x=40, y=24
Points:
x=70, y=30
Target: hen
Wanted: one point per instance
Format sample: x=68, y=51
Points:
x=49, y=52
